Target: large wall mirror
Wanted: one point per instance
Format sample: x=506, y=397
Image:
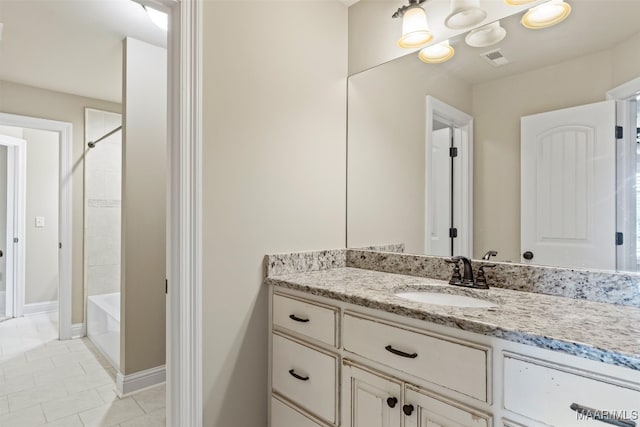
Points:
x=537, y=172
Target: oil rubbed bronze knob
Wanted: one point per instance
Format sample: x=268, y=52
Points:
x=528, y=255
x=392, y=402
x=407, y=409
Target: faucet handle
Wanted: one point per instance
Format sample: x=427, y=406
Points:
x=481, y=279
x=456, y=277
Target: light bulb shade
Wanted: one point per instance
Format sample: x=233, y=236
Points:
x=437, y=53
x=465, y=14
x=546, y=15
x=415, y=31
x=518, y=2
x=487, y=35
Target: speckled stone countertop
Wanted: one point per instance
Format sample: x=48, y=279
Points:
x=598, y=331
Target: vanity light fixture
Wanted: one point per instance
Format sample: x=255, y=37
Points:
x=518, y=2
x=437, y=53
x=465, y=14
x=415, y=30
x=487, y=35
x=546, y=15
x=161, y=19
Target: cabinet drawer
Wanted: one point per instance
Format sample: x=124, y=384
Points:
x=314, y=321
x=283, y=415
x=454, y=365
x=306, y=376
x=546, y=394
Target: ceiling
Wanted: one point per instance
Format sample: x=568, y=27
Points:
x=594, y=25
x=72, y=46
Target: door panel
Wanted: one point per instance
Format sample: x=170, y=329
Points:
x=568, y=186
x=430, y=411
x=439, y=211
x=366, y=399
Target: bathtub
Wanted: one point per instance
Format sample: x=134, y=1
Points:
x=103, y=325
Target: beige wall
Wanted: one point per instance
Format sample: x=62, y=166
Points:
x=386, y=183
x=42, y=195
x=41, y=278
x=497, y=108
x=273, y=165
x=35, y=102
x=144, y=159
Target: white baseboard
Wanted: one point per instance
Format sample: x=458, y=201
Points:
x=78, y=330
x=39, y=308
x=127, y=384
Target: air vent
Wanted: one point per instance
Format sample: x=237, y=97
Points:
x=495, y=58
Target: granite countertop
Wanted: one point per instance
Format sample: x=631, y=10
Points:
x=598, y=331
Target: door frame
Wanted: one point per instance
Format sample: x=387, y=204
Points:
x=184, y=212
x=626, y=112
x=65, y=209
x=15, y=225
x=463, y=178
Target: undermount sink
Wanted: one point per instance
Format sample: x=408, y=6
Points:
x=439, y=298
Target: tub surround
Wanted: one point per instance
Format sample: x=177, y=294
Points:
x=527, y=313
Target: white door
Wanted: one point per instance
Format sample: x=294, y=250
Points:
x=3, y=232
x=370, y=400
x=439, y=211
x=568, y=184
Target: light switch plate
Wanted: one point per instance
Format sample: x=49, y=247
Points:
x=39, y=221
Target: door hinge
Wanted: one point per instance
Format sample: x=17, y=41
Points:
x=619, y=239
x=60, y=245
x=619, y=132
x=453, y=233
x=453, y=151
x=166, y=286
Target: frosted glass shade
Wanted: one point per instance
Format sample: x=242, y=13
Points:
x=546, y=15
x=465, y=14
x=415, y=31
x=487, y=35
x=437, y=53
x=518, y=2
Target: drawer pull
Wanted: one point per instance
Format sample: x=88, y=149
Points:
x=407, y=409
x=602, y=416
x=296, y=376
x=298, y=319
x=401, y=353
x=392, y=402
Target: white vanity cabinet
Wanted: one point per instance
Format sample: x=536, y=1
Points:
x=373, y=399
x=334, y=364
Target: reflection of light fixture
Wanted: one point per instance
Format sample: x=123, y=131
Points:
x=437, y=53
x=161, y=19
x=415, y=31
x=465, y=14
x=518, y=2
x=487, y=35
x=547, y=14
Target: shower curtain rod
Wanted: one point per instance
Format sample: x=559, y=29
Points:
x=92, y=144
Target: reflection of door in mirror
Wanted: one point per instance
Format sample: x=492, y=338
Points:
x=568, y=178
x=448, y=189
x=440, y=179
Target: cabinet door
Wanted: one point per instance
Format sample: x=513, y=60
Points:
x=423, y=409
x=370, y=400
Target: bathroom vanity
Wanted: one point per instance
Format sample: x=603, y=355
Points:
x=347, y=350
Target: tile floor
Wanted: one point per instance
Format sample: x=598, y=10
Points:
x=46, y=382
